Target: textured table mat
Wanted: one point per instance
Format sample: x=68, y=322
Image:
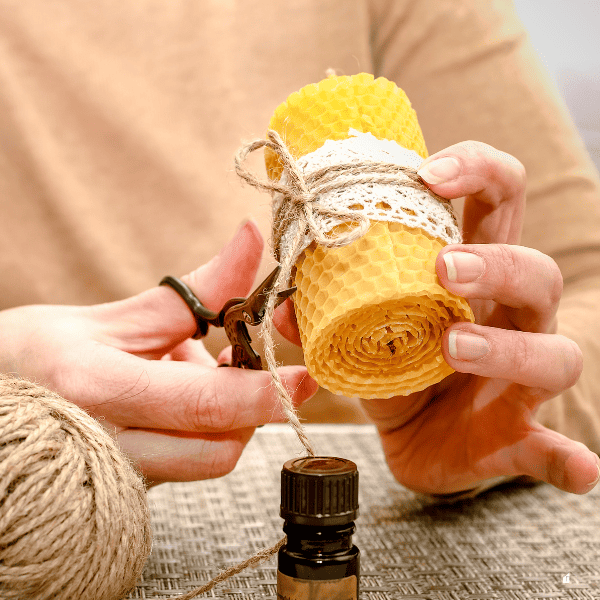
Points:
x=514, y=542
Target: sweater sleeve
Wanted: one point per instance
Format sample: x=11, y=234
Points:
x=471, y=73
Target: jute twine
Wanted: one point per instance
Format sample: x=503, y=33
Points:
x=74, y=520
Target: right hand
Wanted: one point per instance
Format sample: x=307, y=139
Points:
x=132, y=365
x=478, y=426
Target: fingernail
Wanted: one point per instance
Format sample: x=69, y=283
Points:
x=236, y=236
x=467, y=346
x=440, y=170
x=593, y=484
x=463, y=267
x=242, y=225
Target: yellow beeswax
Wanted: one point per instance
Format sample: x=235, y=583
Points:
x=329, y=109
x=371, y=314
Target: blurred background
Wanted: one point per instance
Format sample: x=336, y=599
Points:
x=566, y=34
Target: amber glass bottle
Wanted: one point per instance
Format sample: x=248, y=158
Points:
x=319, y=503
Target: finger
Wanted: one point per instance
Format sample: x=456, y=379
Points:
x=548, y=362
x=155, y=321
x=183, y=456
x=284, y=320
x=192, y=351
x=493, y=184
x=523, y=280
x=551, y=457
x=225, y=356
x=232, y=272
x=133, y=392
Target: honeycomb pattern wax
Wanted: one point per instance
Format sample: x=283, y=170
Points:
x=371, y=314
x=329, y=109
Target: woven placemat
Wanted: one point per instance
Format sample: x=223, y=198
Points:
x=513, y=542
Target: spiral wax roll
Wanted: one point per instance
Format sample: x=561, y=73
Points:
x=371, y=314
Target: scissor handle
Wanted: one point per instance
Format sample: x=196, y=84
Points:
x=202, y=315
x=243, y=355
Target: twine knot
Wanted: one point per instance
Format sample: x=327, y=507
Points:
x=298, y=202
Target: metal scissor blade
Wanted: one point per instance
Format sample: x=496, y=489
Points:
x=250, y=311
x=284, y=295
x=256, y=303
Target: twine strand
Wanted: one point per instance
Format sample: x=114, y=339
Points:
x=253, y=561
x=269, y=349
x=299, y=206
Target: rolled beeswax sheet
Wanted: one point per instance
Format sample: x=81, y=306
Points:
x=371, y=314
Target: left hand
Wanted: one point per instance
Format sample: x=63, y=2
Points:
x=132, y=365
x=479, y=423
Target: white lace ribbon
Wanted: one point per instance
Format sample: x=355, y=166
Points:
x=377, y=201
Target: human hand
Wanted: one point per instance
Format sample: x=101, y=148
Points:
x=479, y=423
x=132, y=365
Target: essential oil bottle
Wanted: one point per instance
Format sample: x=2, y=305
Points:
x=319, y=503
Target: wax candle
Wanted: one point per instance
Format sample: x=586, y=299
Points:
x=372, y=313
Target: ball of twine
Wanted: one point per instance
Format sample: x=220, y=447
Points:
x=74, y=519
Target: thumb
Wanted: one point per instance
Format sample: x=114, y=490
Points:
x=552, y=457
x=284, y=320
x=158, y=319
x=230, y=273
x=493, y=184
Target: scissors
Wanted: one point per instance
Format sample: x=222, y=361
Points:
x=235, y=316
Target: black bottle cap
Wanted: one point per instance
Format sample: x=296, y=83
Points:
x=319, y=491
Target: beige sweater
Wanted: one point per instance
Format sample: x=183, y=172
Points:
x=119, y=122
